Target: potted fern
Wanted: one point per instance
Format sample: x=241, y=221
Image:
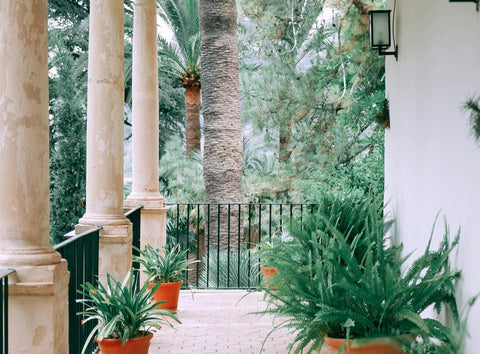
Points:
x=164, y=267
x=126, y=316
x=349, y=289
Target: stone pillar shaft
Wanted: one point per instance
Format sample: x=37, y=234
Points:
x=24, y=174
x=145, y=100
x=105, y=114
x=145, y=188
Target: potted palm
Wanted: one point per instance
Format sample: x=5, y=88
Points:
x=126, y=316
x=164, y=267
x=349, y=289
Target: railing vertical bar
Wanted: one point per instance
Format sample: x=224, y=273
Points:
x=208, y=246
x=187, y=231
x=4, y=316
x=178, y=222
x=281, y=218
x=239, y=242
x=249, y=240
x=270, y=224
x=218, y=245
x=301, y=216
x=228, y=246
x=197, y=265
x=291, y=215
x=259, y=236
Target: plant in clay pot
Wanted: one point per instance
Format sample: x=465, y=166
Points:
x=164, y=266
x=126, y=316
x=350, y=289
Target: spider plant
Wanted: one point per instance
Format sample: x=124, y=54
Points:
x=122, y=312
x=165, y=264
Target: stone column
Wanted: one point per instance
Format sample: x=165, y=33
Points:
x=38, y=303
x=145, y=188
x=105, y=138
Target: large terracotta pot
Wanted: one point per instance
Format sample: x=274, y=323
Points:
x=168, y=292
x=137, y=345
x=384, y=345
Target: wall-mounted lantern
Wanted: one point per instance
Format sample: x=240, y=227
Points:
x=381, y=33
x=474, y=1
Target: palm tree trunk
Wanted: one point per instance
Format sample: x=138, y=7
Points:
x=223, y=150
x=192, y=124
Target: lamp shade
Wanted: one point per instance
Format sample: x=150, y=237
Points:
x=380, y=29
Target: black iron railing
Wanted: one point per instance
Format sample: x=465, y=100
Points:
x=4, y=310
x=134, y=215
x=81, y=253
x=222, y=236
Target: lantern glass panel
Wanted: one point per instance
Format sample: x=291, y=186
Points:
x=380, y=29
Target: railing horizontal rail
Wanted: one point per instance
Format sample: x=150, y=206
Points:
x=4, y=310
x=222, y=235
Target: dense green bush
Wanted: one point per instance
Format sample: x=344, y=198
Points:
x=339, y=276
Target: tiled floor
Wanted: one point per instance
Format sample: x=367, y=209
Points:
x=220, y=322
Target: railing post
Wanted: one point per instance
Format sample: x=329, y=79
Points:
x=4, y=311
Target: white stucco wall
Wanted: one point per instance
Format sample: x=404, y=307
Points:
x=432, y=161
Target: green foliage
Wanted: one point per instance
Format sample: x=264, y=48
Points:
x=67, y=137
x=181, y=177
x=122, y=311
x=226, y=269
x=343, y=279
x=72, y=10
x=473, y=107
x=164, y=265
x=181, y=58
x=311, y=83
x=171, y=100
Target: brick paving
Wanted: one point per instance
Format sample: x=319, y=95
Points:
x=217, y=321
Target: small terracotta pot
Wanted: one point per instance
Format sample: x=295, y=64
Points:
x=268, y=271
x=168, y=292
x=137, y=345
x=378, y=346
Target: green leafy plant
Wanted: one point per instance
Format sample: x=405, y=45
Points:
x=122, y=311
x=473, y=107
x=350, y=284
x=165, y=264
x=225, y=269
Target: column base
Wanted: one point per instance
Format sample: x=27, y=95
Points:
x=38, y=309
x=115, y=249
x=29, y=257
x=153, y=227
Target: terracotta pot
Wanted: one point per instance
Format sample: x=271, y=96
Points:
x=137, y=345
x=268, y=271
x=168, y=292
x=384, y=345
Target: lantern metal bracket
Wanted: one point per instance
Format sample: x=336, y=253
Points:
x=382, y=51
x=477, y=2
